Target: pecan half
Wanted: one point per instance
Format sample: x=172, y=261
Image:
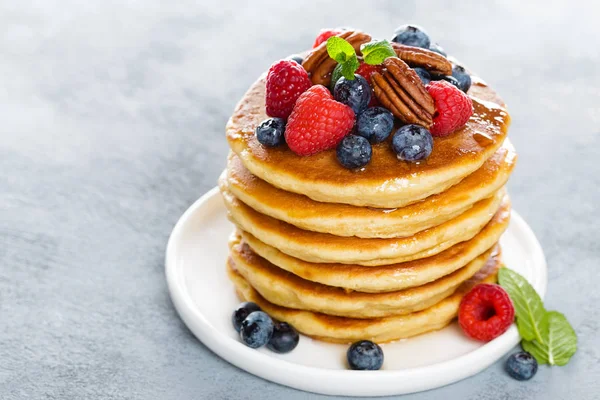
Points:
x=319, y=65
x=400, y=90
x=418, y=57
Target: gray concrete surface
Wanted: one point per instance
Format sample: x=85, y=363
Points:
x=111, y=125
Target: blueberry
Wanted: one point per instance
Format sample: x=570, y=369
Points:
x=257, y=329
x=438, y=49
x=448, y=78
x=355, y=93
x=412, y=143
x=297, y=58
x=411, y=35
x=241, y=312
x=375, y=124
x=284, y=339
x=423, y=74
x=270, y=132
x=354, y=152
x=365, y=355
x=463, y=78
x=521, y=366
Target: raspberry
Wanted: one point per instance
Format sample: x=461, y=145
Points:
x=486, y=312
x=318, y=122
x=286, y=81
x=326, y=34
x=453, y=108
x=366, y=70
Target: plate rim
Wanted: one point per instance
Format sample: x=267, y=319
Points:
x=337, y=382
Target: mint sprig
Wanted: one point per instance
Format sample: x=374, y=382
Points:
x=528, y=304
x=547, y=335
x=376, y=51
x=560, y=341
x=343, y=52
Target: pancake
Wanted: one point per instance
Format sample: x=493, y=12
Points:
x=286, y=289
x=326, y=248
x=347, y=330
x=385, y=278
x=385, y=182
x=365, y=222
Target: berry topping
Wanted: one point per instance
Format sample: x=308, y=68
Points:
x=453, y=108
x=257, y=329
x=241, y=312
x=423, y=74
x=355, y=93
x=365, y=355
x=326, y=34
x=354, y=152
x=438, y=49
x=317, y=122
x=448, y=78
x=366, y=70
x=270, y=132
x=284, y=339
x=462, y=77
x=411, y=35
x=296, y=57
x=521, y=366
x=412, y=143
x=286, y=81
x=375, y=124
x=486, y=312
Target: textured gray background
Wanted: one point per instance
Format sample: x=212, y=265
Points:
x=111, y=125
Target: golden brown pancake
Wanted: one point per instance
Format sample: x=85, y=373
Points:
x=286, y=289
x=347, y=330
x=385, y=182
x=366, y=222
x=326, y=248
x=385, y=278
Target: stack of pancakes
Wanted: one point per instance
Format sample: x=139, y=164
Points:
x=381, y=254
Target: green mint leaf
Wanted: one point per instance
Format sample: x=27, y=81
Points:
x=339, y=49
x=336, y=75
x=376, y=51
x=560, y=341
x=529, y=308
x=349, y=68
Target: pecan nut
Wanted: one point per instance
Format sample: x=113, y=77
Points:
x=418, y=57
x=319, y=65
x=400, y=90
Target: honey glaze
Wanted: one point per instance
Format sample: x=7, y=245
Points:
x=476, y=141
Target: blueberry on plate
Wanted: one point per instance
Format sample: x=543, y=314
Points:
x=448, y=78
x=257, y=329
x=423, y=74
x=297, y=58
x=375, y=124
x=354, y=152
x=521, y=366
x=284, y=339
x=462, y=77
x=355, y=93
x=412, y=143
x=241, y=312
x=411, y=35
x=438, y=49
x=365, y=355
x=270, y=132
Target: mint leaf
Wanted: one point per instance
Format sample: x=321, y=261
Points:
x=339, y=49
x=376, y=51
x=336, y=75
x=529, y=308
x=560, y=341
x=349, y=68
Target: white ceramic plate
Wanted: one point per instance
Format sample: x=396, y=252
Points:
x=204, y=297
